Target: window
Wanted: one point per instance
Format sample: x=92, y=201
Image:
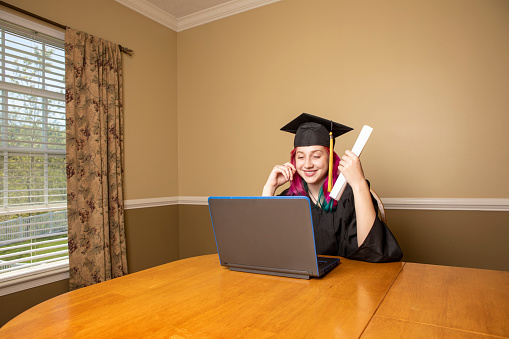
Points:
x=33, y=209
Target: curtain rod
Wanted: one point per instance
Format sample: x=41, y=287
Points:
x=122, y=49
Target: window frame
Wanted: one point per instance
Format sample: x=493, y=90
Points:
x=46, y=273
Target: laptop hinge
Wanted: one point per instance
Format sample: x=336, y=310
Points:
x=273, y=271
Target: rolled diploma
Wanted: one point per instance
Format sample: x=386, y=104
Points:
x=340, y=184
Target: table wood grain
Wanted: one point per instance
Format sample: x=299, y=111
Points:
x=388, y=328
x=465, y=299
x=198, y=298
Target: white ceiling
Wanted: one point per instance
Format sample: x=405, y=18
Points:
x=183, y=14
x=181, y=8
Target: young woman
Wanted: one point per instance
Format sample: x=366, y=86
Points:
x=349, y=227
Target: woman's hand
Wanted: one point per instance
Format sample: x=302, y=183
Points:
x=279, y=175
x=351, y=167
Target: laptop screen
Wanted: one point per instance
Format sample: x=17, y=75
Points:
x=265, y=232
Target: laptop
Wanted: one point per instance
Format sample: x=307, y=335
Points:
x=267, y=235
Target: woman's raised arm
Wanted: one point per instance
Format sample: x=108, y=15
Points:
x=351, y=167
x=279, y=175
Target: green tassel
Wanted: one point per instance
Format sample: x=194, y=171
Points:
x=322, y=202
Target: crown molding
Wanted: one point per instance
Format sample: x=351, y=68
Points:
x=211, y=14
x=219, y=12
x=432, y=204
x=152, y=12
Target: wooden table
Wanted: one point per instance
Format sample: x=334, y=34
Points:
x=429, y=301
x=197, y=298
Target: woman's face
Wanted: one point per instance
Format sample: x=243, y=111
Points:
x=312, y=163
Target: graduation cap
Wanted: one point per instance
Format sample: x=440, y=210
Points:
x=311, y=130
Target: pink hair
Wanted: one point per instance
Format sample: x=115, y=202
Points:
x=297, y=183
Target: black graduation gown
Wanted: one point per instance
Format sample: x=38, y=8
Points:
x=336, y=233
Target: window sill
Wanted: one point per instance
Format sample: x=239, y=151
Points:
x=23, y=280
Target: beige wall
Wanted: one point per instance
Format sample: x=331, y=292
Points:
x=150, y=108
x=150, y=87
x=152, y=236
x=451, y=238
x=15, y=303
x=195, y=232
x=431, y=77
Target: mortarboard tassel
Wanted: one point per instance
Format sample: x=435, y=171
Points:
x=331, y=159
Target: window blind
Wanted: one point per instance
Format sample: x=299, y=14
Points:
x=33, y=210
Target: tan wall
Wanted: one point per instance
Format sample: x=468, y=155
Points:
x=152, y=236
x=150, y=97
x=451, y=238
x=431, y=77
x=150, y=87
x=195, y=233
x=15, y=303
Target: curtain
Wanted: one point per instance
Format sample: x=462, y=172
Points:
x=95, y=203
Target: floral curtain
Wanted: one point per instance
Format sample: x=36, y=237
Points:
x=95, y=204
